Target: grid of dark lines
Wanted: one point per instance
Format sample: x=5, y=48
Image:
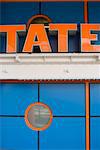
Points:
x=38, y=132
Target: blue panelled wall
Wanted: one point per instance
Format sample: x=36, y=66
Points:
x=64, y=130
x=67, y=102
x=95, y=111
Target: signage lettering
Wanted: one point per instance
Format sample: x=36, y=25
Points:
x=37, y=36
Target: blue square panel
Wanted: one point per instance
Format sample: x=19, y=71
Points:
x=15, y=98
x=64, y=134
x=94, y=12
x=17, y=13
x=64, y=12
x=95, y=133
x=95, y=99
x=64, y=99
x=15, y=135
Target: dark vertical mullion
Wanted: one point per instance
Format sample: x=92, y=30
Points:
x=38, y=132
x=40, y=12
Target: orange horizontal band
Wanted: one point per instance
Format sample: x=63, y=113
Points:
x=41, y=0
x=48, y=0
x=49, y=81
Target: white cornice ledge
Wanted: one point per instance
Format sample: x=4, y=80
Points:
x=50, y=66
x=59, y=58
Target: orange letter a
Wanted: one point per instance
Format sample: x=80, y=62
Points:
x=37, y=30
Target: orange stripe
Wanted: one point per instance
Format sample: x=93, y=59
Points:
x=48, y=0
x=49, y=81
x=87, y=118
x=41, y=0
x=86, y=11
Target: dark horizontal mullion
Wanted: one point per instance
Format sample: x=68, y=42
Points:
x=94, y=116
x=12, y=116
x=53, y=116
x=69, y=116
x=75, y=116
x=22, y=116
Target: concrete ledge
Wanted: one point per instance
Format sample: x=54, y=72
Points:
x=50, y=66
x=50, y=58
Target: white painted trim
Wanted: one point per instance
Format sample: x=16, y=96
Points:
x=50, y=66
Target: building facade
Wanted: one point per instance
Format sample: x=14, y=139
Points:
x=65, y=86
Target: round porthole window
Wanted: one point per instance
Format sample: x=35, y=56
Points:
x=38, y=116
